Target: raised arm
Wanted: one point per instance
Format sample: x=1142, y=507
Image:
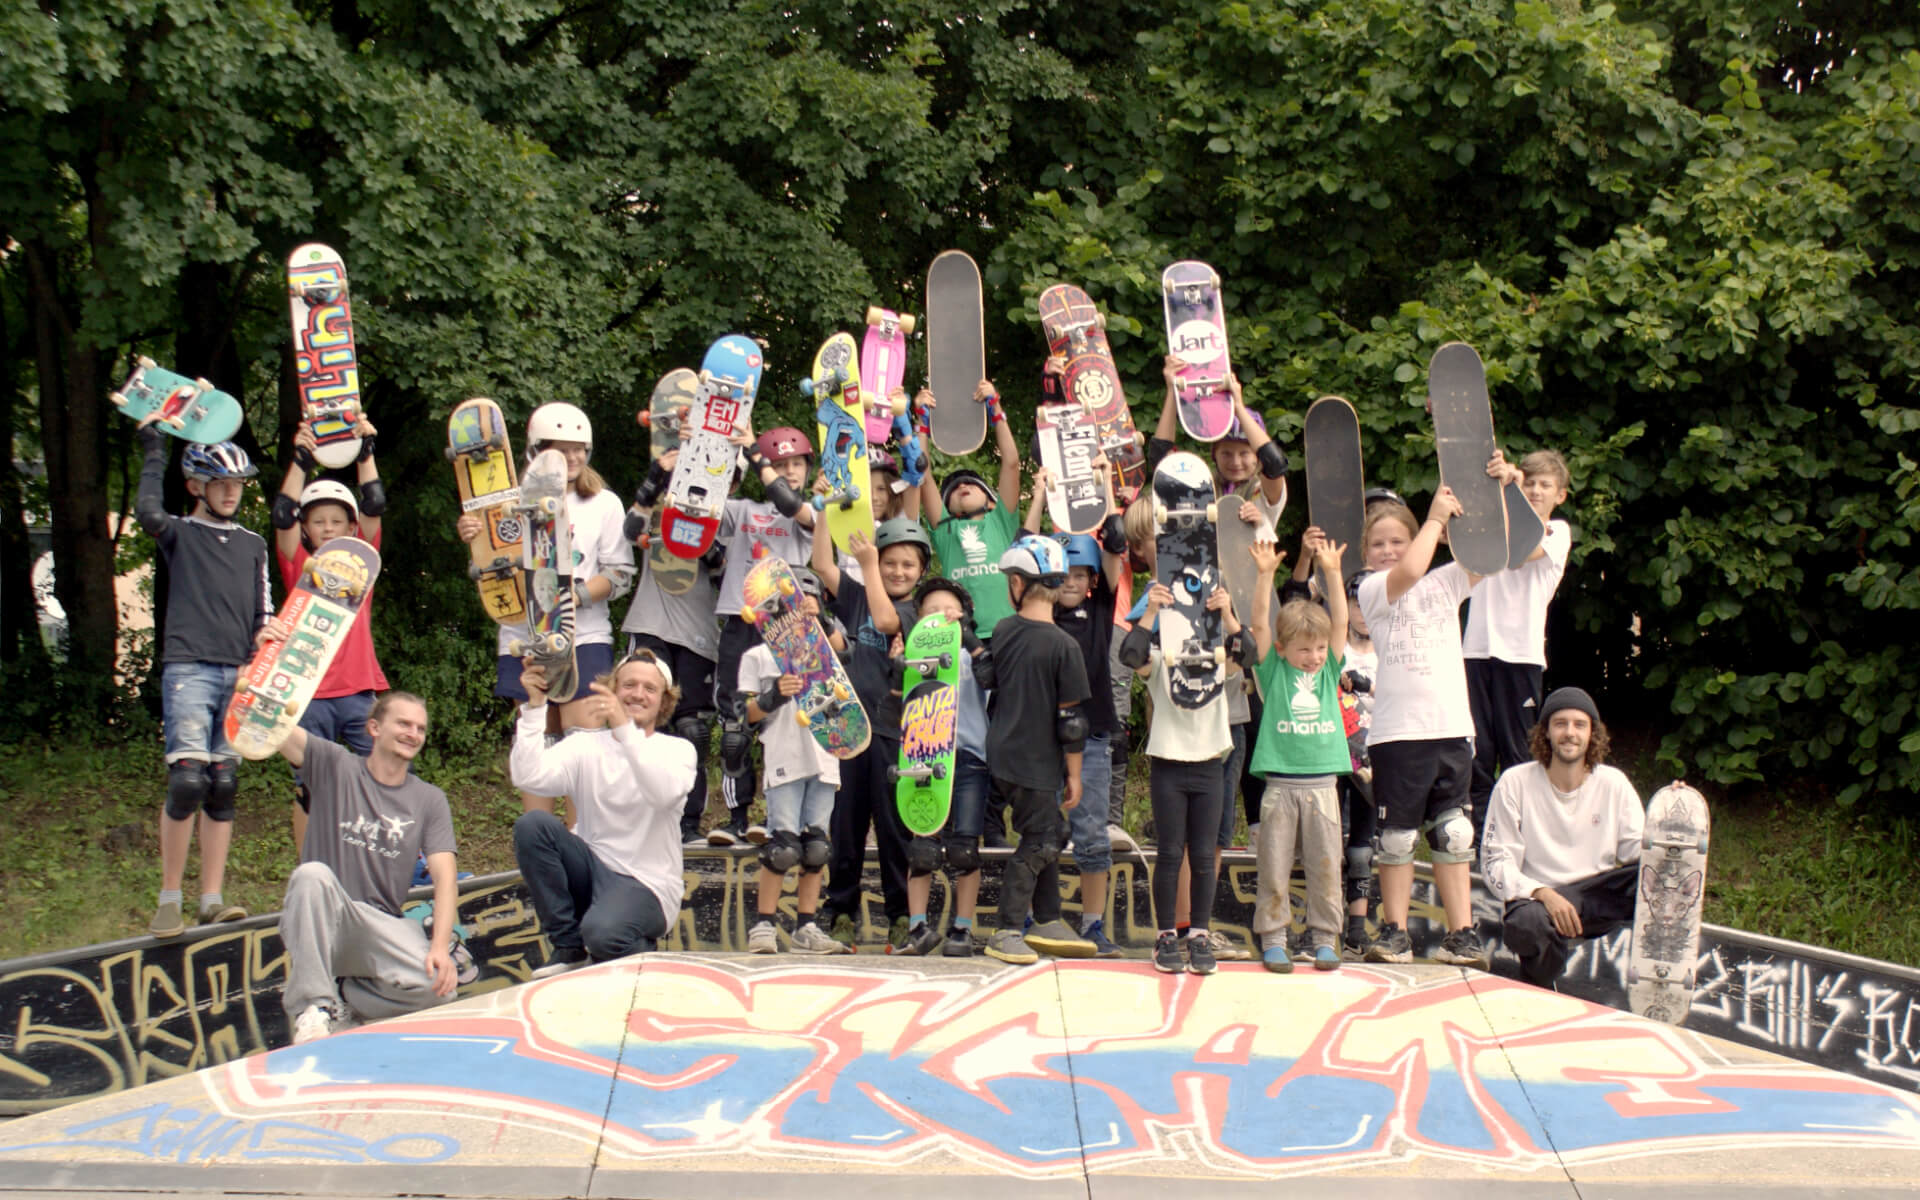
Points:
x=1419, y=555
x=1266, y=560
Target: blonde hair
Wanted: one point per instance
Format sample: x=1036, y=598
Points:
x=668, y=698
x=588, y=484
x=1302, y=619
x=1388, y=510
x=1547, y=462
x=1137, y=522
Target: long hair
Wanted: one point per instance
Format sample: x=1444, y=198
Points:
x=1542, y=749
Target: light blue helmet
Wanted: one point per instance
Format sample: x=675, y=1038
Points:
x=222, y=460
x=1081, y=549
x=1036, y=559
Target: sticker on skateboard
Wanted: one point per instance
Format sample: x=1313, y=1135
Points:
x=1075, y=330
x=929, y=724
x=1664, y=955
x=826, y=705
x=1080, y=496
x=1197, y=333
x=697, y=493
x=1192, y=637
x=481, y=452
x=1463, y=439
x=326, y=366
x=665, y=420
x=834, y=386
x=956, y=353
x=1336, y=478
x=192, y=410
x=547, y=558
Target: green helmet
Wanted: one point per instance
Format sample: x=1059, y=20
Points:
x=903, y=531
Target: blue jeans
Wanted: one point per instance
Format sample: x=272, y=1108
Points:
x=340, y=719
x=798, y=803
x=193, y=704
x=1087, y=823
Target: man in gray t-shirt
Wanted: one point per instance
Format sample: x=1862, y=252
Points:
x=370, y=821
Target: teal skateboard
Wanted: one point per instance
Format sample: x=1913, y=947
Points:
x=929, y=725
x=190, y=409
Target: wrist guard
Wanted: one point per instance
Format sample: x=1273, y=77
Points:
x=286, y=512
x=373, y=497
x=648, y=493
x=770, y=698
x=366, y=448
x=1273, y=460
x=303, y=458
x=634, y=525
x=1113, y=534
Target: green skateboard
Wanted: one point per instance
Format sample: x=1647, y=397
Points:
x=929, y=725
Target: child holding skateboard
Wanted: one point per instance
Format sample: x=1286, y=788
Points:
x=971, y=525
x=800, y=779
x=217, y=606
x=305, y=517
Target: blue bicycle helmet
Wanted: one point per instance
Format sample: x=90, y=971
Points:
x=1036, y=559
x=222, y=460
x=1081, y=549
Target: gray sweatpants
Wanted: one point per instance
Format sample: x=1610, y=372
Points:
x=1305, y=820
x=380, y=960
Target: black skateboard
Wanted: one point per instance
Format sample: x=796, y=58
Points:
x=1192, y=636
x=1463, y=437
x=1336, y=480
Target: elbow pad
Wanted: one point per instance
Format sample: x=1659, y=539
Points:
x=1240, y=649
x=1136, y=649
x=1113, y=534
x=1070, y=729
x=373, y=496
x=785, y=500
x=286, y=511
x=1273, y=460
x=648, y=493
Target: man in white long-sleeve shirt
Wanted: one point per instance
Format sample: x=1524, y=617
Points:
x=1563, y=840
x=612, y=884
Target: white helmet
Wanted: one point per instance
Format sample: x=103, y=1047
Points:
x=326, y=489
x=558, y=422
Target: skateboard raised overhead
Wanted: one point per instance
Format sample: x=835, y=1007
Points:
x=275, y=688
x=326, y=366
x=1463, y=438
x=956, y=353
x=1191, y=636
x=883, y=367
x=1663, y=958
x=481, y=452
x=1076, y=331
x=697, y=493
x=826, y=705
x=1235, y=537
x=192, y=410
x=929, y=724
x=665, y=420
x=834, y=386
x=1197, y=333
x=547, y=558
x=1336, y=478
x=1081, y=494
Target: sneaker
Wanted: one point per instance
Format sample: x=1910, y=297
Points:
x=758, y=834
x=844, y=932
x=1009, y=947
x=1166, y=954
x=1354, y=943
x=763, y=938
x=167, y=921
x=563, y=960
x=689, y=840
x=315, y=1023
x=1058, y=938
x=922, y=940
x=959, y=943
x=1326, y=958
x=214, y=914
x=811, y=939
x=1463, y=948
x=1300, y=945
x=1277, y=959
x=1223, y=947
x=1392, y=946
x=897, y=933
x=731, y=834
x=1120, y=841
x=1200, y=957
x=1103, y=946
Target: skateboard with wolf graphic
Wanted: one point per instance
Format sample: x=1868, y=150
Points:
x=1192, y=637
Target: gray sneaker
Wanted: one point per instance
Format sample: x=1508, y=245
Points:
x=1009, y=947
x=811, y=939
x=167, y=921
x=1392, y=946
x=1059, y=939
x=959, y=943
x=214, y=914
x=763, y=938
x=1224, y=949
x=1463, y=948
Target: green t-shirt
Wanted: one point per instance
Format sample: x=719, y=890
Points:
x=970, y=550
x=1301, y=729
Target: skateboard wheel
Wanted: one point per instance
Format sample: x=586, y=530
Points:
x=1701, y=845
x=875, y=316
x=291, y=710
x=786, y=587
x=1219, y=656
x=907, y=322
x=939, y=770
x=176, y=422
x=800, y=715
x=203, y=385
x=807, y=386
x=839, y=690
x=145, y=363
x=119, y=401
x=946, y=658
x=1100, y=319
x=516, y=648
x=1213, y=514
x=893, y=773
x=452, y=454
x=549, y=506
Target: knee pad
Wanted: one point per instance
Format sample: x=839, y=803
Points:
x=780, y=853
x=1044, y=851
x=223, y=788
x=696, y=728
x=1451, y=836
x=734, y=744
x=187, y=786
x=815, y=849
x=1394, y=847
x=963, y=856
x=1359, y=883
x=923, y=856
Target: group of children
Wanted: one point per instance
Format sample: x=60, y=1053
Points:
x=1354, y=715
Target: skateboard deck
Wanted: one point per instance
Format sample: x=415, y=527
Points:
x=665, y=420
x=1074, y=328
x=275, y=688
x=834, y=387
x=1191, y=636
x=826, y=705
x=325, y=365
x=481, y=452
x=1235, y=539
x=1661, y=962
x=883, y=367
x=1524, y=527
x=1081, y=495
x=929, y=725
x=1336, y=479
x=697, y=494
x=1463, y=437
x=1197, y=332
x=547, y=559
x=192, y=410
x=956, y=352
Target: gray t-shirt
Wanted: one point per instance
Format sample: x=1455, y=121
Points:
x=370, y=834
x=683, y=620
x=753, y=530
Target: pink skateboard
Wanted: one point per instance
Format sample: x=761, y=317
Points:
x=883, y=367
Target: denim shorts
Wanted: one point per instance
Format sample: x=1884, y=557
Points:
x=193, y=703
x=798, y=803
x=591, y=662
x=967, y=809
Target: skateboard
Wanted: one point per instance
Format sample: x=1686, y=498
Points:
x=665, y=419
x=1666, y=911
x=274, y=689
x=1236, y=539
x=929, y=725
x=547, y=560
x=325, y=365
x=835, y=388
x=1191, y=636
x=1075, y=329
x=1463, y=437
x=1197, y=332
x=1336, y=480
x=1524, y=527
x=1081, y=495
x=883, y=367
x=956, y=353
x=826, y=705
x=481, y=452
x=729, y=378
x=192, y=410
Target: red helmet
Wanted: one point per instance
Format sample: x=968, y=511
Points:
x=783, y=442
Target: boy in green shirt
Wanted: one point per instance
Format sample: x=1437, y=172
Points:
x=971, y=526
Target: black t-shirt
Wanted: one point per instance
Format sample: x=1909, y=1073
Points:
x=869, y=661
x=1090, y=625
x=1037, y=671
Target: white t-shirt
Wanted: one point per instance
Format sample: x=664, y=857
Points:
x=1185, y=734
x=1508, y=617
x=1538, y=836
x=792, y=751
x=1420, y=692
x=600, y=547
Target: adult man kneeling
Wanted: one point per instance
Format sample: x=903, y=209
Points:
x=612, y=884
x=1563, y=839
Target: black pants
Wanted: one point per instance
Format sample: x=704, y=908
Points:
x=1187, y=800
x=1505, y=699
x=865, y=800
x=693, y=715
x=736, y=778
x=1357, y=819
x=1605, y=903
x=1032, y=878
x=582, y=902
x=1253, y=788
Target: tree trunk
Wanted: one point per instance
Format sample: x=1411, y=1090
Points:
x=19, y=617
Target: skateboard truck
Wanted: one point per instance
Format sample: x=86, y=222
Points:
x=844, y=499
x=922, y=774
x=323, y=292
x=927, y=666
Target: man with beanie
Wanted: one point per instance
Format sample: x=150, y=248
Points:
x=1562, y=844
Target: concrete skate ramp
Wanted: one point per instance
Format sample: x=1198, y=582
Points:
x=710, y=1075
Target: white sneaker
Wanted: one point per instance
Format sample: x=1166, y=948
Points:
x=811, y=939
x=561, y=962
x=757, y=834
x=313, y=1024
x=1224, y=948
x=1121, y=841
x=764, y=939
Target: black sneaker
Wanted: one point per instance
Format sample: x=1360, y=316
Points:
x=1200, y=959
x=1166, y=954
x=959, y=943
x=1463, y=948
x=922, y=940
x=1392, y=946
x=1354, y=943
